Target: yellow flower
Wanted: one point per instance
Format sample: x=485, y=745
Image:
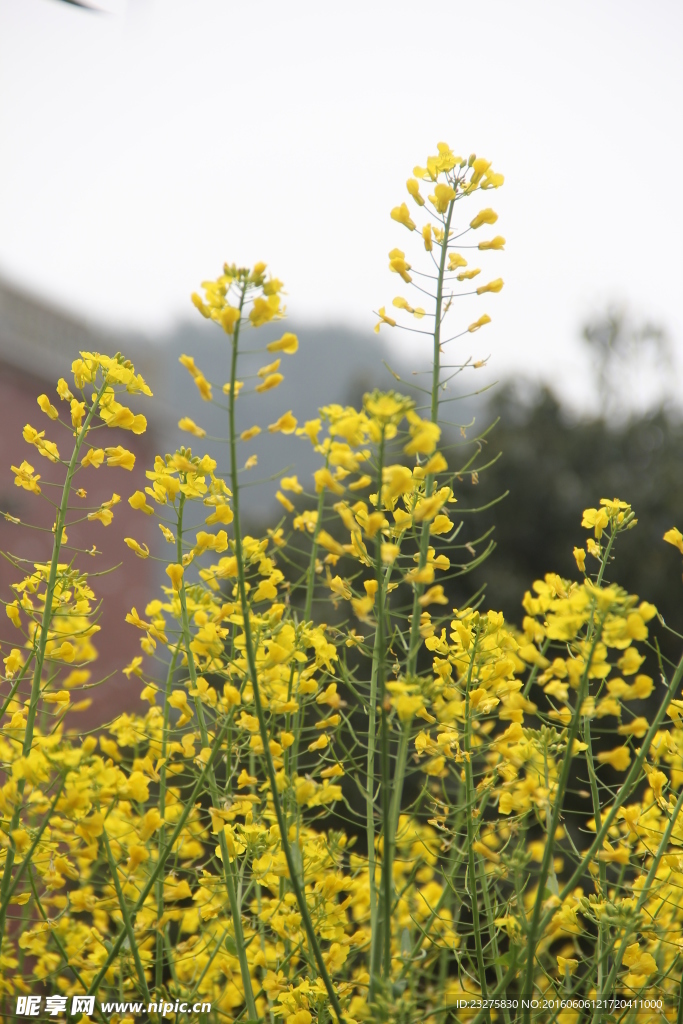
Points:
x=580, y=557
x=630, y=661
x=286, y=424
x=191, y=427
x=221, y=514
x=425, y=436
x=437, y=464
x=596, y=519
x=119, y=456
x=228, y=318
x=396, y=480
x=402, y=215
x=77, y=410
x=104, y=512
x=264, y=310
x=434, y=595
x=441, y=524
x=566, y=965
x=291, y=483
x=310, y=429
x=270, y=382
x=407, y=706
x=389, y=553
x=175, y=573
x=26, y=478
x=12, y=612
x=495, y=243
x=142, y=551
x=324, y=479
x=247, y=435
x=138, y=501
x=384, y=319
x=93, y=457
x=638, y=727
x=399, y=265
x=63, y=390
x=485, y=319
x=443, y=196
x=413, y=187
x=619, y=758
x=59, y=697
x=288, y=343
x=675, y=537
x=151, y=821
x=426, y=509
x=37, y=438
x=284, y=501
x=65, y=652
x=639, y=962
x=47, y=407
x=486, y=216
x=492, y=286
x=13, y=662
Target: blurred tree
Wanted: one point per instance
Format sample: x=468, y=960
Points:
x=553, y=467
x=627, y=358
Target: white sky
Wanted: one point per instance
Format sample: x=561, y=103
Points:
x=142, y=148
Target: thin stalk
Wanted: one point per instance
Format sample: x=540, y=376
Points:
x=159, y=961
x=39, y=650
x=293, y=754
x=469, y=808
x=490, y=921
x=370, y=810
x=535, y=928
x=299, y=891
x=624, y=792
x=163, y=856
x=602, y=867
x=645, y=892
x=127, y=925
x=28, y=859
x=235, y=908
x=386, y=887
x=414, y=644
x=54, y=934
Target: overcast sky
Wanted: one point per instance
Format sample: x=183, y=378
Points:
x=142, y=148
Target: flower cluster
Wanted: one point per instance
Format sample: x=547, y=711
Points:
x=343, y=797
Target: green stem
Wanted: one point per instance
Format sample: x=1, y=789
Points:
x=235, y=908
x=39, y=651
x=128, y=927
x=297, y=888
x=470, y=808
x=68, y=961
x=163, y=855
x=414, y=643
x=370, y=811
x=602, y=929
x=625, y=791
x=28, y=859
x=535, y=928
x=293, y=753
x=645, y=892
x=159, y=962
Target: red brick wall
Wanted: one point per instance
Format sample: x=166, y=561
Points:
x=133, y=583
